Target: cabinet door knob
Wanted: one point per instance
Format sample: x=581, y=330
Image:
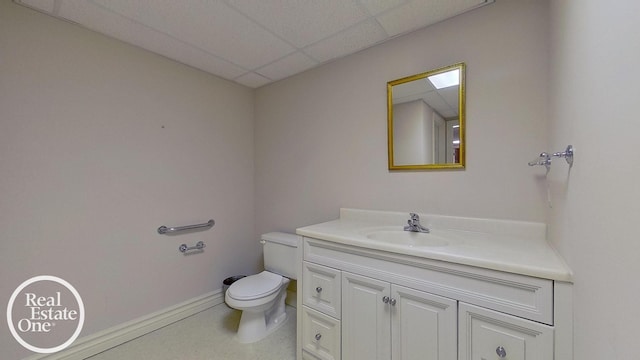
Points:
x=502, y=353
x=392, y=301
x=318, y=336
x=318, y=289
x=385, y=299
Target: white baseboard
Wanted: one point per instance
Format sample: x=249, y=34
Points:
x=116, y=335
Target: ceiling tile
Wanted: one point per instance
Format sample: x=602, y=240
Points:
x=47, y=6
x=375, y=7
x=302, y=22
x=411, y=90
x=350, y=41
x=253, y=41
x=287, y=66
x=435, y=101
x=104, y=21
x=252, y=80
x=208, y=25
x=450, y=95
x=420, y=13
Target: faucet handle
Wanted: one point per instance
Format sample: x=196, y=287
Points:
x=414, y=216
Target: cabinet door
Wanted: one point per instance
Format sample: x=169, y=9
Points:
x=486, y=334
x=366, y=322
x=424, y=326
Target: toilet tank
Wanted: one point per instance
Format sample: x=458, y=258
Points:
x=281, y=253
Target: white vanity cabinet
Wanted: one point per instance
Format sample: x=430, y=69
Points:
x=384, y=321
x=360, y=303
x=471, y=289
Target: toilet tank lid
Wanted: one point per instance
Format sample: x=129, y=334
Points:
x=281, y=238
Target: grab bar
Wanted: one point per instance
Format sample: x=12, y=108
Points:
x=165, y=230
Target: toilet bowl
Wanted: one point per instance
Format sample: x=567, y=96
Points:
x=261, y=297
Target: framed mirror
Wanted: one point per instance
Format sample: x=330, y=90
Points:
x=426, y=120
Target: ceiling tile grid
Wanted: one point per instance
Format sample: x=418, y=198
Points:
x=253, y=42
x=212, y=26
x=303, y=22
x=415, y=15
x=347, y=42
x=123, y=28
x=294, y=63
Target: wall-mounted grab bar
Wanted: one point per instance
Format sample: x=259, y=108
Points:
x=184, y=248
x=168, y=230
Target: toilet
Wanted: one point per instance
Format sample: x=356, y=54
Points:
x=261, y=297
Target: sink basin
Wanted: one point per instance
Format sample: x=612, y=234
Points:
x=408, y=238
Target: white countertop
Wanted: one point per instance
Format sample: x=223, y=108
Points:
x=510, y=246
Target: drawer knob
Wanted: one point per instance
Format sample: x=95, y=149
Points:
x=318, y=336
x=385, y=299
x=502, y=353
x=318, y=289
x=392, y=301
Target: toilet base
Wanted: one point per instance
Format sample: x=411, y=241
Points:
x=253, y=328
x=257, y=323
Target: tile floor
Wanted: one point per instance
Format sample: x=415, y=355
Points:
x=207, y=335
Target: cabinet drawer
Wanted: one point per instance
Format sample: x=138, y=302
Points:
x=320, y=335
x=487, y=334
x=321, y=288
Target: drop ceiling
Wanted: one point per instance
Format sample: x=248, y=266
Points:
x=254, y=42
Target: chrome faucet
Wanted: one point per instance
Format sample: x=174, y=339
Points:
x=413, y=224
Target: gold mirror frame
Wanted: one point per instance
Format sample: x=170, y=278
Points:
x=460, y=164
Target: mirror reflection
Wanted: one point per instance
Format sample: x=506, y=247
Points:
x=426, y=120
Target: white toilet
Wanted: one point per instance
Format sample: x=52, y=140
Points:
x=261, y=297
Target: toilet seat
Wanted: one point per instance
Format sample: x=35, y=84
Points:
x=255, y=286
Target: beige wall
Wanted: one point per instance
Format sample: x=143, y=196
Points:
x=321, y=137
x=596, y=208
x=100, y=144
